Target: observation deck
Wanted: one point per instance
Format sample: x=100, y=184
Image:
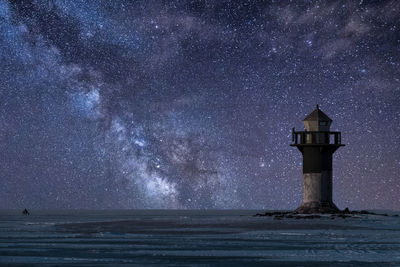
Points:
x=316, y=138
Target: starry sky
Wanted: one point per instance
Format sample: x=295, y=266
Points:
x=190, y=104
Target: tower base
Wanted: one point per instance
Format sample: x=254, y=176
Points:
x=317, y=207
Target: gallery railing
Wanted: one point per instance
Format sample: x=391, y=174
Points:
x=316, y=137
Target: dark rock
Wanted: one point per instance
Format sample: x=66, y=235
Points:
x=274, y=213
x=317, y=207
x=313, y=212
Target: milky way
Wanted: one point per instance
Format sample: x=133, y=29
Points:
x=190, y=104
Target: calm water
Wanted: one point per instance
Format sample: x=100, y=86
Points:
x=196, y=238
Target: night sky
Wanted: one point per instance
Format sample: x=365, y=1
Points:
x=190, y=104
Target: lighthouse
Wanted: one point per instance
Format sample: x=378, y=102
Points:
x=317, y=144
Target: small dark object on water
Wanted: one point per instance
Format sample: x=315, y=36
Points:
x=25, y=212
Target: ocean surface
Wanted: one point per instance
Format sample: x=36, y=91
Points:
x=194, y=238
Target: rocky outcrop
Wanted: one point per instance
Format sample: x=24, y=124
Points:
x=316, y=212
x=317, y=207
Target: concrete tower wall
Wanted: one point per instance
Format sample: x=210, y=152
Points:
x=317, y=187
x=317, y=159
x=317, y=174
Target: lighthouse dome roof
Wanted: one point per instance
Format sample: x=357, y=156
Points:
x=317, y=115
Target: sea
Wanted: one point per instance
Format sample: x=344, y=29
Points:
x=195, y=238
